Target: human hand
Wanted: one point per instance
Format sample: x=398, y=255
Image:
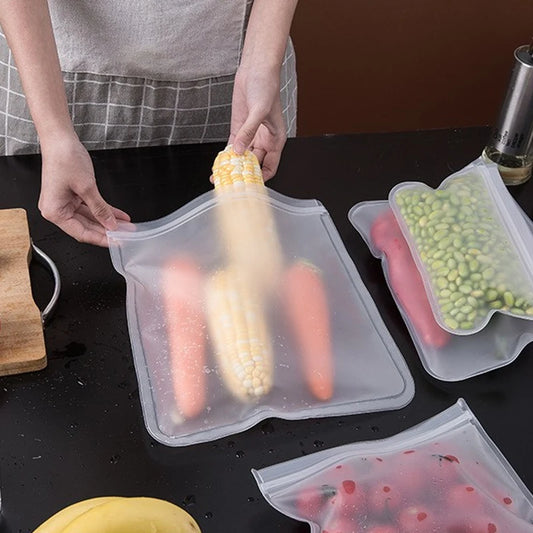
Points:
x=256, y=118
x=69, y=195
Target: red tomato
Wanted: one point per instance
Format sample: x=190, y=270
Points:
x=310, y=501
x=464, y=497
x=416, y=519
x=384, y=498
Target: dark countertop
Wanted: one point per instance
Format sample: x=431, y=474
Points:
x=75, y=430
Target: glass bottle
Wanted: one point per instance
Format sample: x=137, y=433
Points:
x=510, y=143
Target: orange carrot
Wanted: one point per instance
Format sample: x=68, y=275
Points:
x=308, y=315
x=182, y=293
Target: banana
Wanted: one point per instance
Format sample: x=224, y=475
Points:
x=133, y=515
x=57, y=522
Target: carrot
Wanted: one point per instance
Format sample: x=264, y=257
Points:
x=405, y=280
x=182, y=293
x=307, y=312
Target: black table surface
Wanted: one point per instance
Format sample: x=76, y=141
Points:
x=75, y=429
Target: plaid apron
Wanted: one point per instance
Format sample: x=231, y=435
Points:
x=121, y=111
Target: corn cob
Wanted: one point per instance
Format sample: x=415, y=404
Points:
x=245, y=217
x=232, y=169
x=237, y=327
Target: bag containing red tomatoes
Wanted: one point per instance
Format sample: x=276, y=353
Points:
x=445, y=475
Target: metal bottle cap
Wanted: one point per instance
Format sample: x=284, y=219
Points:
x=513, y=134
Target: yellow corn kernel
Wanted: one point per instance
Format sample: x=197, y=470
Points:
x=238, y=331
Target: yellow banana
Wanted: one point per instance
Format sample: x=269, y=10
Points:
x=134, y=515
x=57, y=522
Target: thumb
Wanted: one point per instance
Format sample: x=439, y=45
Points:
x=99, y=208
x=246, y=133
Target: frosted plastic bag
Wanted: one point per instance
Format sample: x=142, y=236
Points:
x=444, y=355
x=189, y=390
x=472, y=247
x=444, y=475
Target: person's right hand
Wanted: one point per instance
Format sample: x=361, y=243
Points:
x=69, y=195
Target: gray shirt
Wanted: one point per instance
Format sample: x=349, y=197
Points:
x=177, y=40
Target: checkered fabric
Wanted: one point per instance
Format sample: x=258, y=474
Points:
x=119, y=112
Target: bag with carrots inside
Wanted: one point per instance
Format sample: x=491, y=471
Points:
x=244, y=304
x=465, y=320
x=444, y=475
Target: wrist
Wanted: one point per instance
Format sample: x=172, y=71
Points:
x=58, y=139
x=264, y=74
x=260, y=62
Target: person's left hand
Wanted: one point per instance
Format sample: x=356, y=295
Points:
x=256, y=119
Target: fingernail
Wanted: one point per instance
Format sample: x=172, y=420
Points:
x=239, y=148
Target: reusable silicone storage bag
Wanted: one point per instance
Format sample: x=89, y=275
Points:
x=244, y=306
x=444, y=475
x=445, y=356
x=472, y=246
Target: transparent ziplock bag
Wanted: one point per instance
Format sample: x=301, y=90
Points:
x=245, y=306
x=444, y=475
x=472, y=246
x=444, y=355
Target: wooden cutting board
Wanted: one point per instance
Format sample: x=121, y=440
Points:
x=22, y=346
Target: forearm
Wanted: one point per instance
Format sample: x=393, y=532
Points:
x=28, y=29
x=267, y=34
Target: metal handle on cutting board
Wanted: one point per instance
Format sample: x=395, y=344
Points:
x=45, y=260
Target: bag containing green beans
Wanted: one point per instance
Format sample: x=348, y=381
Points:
x=444, y=355
x=472, y=246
